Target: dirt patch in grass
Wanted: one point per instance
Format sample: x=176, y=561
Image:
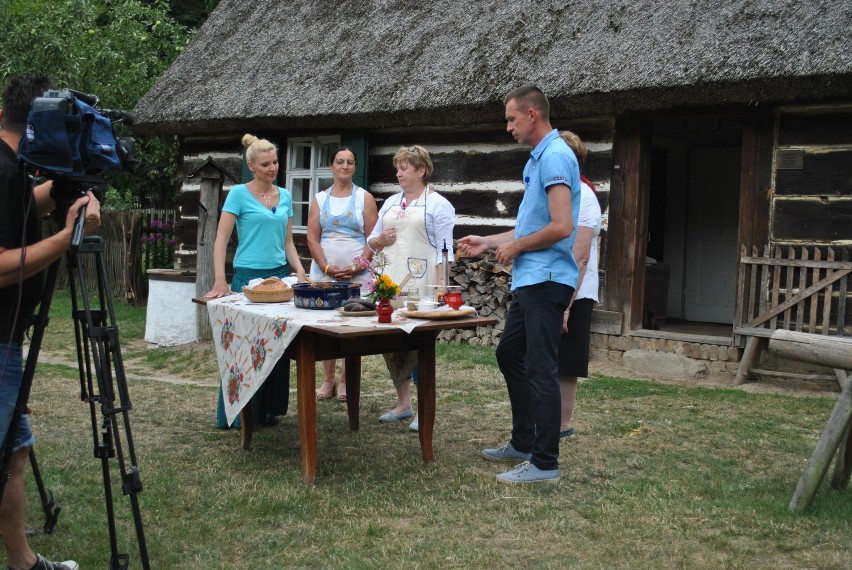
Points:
x=606, y=365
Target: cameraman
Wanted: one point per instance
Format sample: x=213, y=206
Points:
x=23, y=258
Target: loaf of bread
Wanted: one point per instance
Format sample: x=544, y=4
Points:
x=271, y=284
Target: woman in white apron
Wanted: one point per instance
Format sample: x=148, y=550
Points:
x=412, y=229
x=339, y=220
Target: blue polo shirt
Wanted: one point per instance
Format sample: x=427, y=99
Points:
x=551, y=162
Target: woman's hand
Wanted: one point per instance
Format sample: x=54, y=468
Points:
x=220, y=289
x=387, y=238
x=339, y=273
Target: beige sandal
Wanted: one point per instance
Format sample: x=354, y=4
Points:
x=341, y=392
x=326, y=390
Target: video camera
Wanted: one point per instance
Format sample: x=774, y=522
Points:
x=72, y=142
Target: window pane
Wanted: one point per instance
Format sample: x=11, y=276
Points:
x=325, y=183
x=300, y=188
x=325, y=150
x=300, y=155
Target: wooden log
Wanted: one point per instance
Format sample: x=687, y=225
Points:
x=832, y=351
x=751, y=352
x=829, y=441
x=842, y=378
x=843, y=465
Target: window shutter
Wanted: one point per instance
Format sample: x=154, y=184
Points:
x=358, y=142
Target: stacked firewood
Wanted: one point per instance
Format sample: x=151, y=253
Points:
x=485, y=287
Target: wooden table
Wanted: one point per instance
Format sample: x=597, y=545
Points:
x=324, y=342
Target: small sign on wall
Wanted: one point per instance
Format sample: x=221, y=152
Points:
x=790, y=159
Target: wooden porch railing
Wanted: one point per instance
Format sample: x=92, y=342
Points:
x=799, y=289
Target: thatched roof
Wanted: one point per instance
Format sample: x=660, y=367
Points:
x=370, y=63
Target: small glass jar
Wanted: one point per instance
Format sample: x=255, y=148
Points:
x=413, y=298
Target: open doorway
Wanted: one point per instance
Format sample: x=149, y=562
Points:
x=694, y=189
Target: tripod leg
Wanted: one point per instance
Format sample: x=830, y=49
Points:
x=109, y=396
x=48, y=505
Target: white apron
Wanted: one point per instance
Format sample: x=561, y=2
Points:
x=341, y=239
x=411, y=252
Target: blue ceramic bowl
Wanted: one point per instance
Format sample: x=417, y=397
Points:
x=335, y=294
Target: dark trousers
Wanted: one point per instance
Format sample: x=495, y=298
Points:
x=528, y=358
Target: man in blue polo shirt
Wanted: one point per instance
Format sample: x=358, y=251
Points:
x=544, y=275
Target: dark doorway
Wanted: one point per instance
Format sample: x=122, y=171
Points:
x=694, y=187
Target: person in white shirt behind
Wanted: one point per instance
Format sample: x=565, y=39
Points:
x=576, y=323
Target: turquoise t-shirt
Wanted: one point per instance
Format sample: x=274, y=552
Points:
x=261, y=232
x=551, y=162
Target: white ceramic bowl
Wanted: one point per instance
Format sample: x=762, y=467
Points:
x=427, y=305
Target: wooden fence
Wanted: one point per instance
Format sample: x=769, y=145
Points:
x=134, y=241
x=808, y=292
x=802, y=289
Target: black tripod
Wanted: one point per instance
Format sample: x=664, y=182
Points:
x=96, y=335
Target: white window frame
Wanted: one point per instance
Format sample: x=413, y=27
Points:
x=313, y=173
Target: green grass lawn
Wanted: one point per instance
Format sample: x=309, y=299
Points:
x=660, y=476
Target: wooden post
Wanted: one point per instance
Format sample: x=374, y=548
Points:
x=212, y=179
x=831, y=438
x=828, y=351
x=752, y=351
x=843, y=466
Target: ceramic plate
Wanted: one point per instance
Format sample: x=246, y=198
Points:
x=436, y=315
x=355, y=313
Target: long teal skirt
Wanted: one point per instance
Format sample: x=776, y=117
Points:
x=273, y=398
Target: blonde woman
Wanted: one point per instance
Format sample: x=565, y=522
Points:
x=262, y=212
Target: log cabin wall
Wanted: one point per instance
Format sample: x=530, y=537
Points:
x=812, y=199
x=225, y=150
x=811, y=206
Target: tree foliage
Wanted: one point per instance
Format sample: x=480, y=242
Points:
x=115, y=49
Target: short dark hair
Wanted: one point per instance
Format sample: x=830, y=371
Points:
x=529, y=96
x=340, y=149
x=19, y=94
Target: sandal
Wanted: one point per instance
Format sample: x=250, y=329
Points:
x=341, y=392
x=326, y=390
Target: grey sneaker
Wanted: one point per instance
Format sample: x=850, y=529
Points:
x=526, y=472
x=505, y=453
x=43, y=563
x=567, y=434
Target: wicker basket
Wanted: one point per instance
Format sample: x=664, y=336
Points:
x=268, y=295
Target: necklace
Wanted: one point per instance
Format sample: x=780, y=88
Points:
x=266, y=199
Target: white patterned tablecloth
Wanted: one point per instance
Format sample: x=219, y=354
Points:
x=251, y=337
